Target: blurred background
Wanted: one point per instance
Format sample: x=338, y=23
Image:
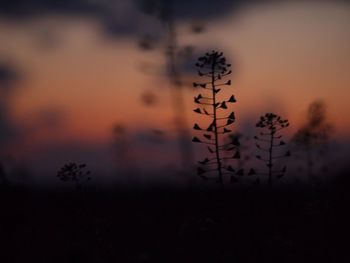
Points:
x=109, y=83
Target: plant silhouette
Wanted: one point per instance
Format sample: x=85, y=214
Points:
x=74, y=173
x=173, y=52
x=314, y=135
x=241, y=141
x=236, y=138
x=214, y=67
x=267, y=142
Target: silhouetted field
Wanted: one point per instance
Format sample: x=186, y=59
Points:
x=255, y=224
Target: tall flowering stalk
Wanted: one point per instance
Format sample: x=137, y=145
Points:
x=269, y=141
x=214, y=67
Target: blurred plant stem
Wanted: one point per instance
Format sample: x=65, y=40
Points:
x=313, y=137
x=177, y=91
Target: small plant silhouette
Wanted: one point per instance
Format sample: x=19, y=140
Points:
x=271, y=140
x=214, y=66
x=75, y=173
x=313, y=137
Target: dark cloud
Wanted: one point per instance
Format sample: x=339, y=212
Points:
x=8, y=75
x=191, y=9
x=122, y=17
x=30, y=8
x=182, y=8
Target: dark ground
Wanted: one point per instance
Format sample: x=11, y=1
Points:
x=254, y=224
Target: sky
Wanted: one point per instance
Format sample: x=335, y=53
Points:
x=79, y=71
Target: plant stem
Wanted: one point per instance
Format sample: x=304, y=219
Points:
x=217, y=152
x=177, y=96
x=270, y=158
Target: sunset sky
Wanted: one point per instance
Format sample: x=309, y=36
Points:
x=76, y=79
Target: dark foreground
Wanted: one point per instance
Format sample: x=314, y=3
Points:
x=169, y=225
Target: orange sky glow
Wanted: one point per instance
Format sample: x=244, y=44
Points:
x=285, y=57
